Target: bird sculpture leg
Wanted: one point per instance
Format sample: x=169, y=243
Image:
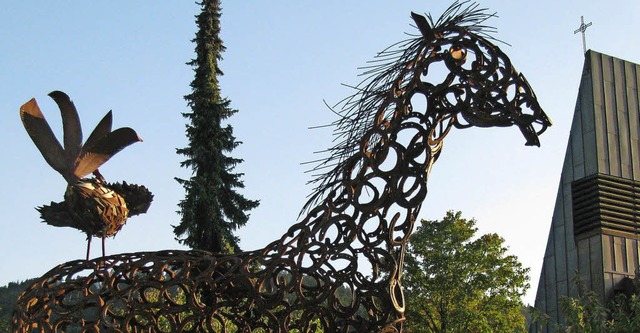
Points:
x=103, y=246
x=99, y=176
x=88, y=245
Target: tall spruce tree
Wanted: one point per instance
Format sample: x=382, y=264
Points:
x=212, y=209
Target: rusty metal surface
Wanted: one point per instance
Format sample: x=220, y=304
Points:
x=340, y=268
x=97, y=208
x=91, y=205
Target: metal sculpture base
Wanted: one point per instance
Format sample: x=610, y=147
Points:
x=171, y=291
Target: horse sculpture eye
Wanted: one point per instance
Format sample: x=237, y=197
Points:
x=458, y=53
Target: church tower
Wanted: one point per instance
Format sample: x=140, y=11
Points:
x=595, y=226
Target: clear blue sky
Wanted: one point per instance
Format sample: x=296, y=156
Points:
x=283, y=59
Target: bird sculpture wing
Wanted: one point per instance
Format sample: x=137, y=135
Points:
x=75, y=160
x=71, y=129
x=103, y=128
x=92, y=157
x=40, y=132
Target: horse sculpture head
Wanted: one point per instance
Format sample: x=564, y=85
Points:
x=451, y=75
x=482, y=88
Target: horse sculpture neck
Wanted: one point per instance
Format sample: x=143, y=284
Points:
x=353, y=240
x=385, y=177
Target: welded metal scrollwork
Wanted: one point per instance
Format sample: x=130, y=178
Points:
x=340, y=268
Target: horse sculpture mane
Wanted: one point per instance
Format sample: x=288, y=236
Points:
x=340, y=268
x=358, y=112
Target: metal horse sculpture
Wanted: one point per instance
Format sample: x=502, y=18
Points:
x=340, y=268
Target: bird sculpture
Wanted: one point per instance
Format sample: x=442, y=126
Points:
x=91, y=205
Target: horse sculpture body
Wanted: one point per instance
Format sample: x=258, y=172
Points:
x=340, y=268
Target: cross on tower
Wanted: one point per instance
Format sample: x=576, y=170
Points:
x=583, y=27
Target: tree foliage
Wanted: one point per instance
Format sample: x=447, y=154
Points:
x=212, y=209
x=8, y=296
x=456, y=282
x=586, y=313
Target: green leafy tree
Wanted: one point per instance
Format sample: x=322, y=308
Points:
x=586, y=313
x=456, y=282
x=4, y=325
x=8, y=297
x=625, y=313
x=212, y=209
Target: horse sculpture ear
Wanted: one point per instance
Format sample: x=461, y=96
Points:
x=423, y=25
